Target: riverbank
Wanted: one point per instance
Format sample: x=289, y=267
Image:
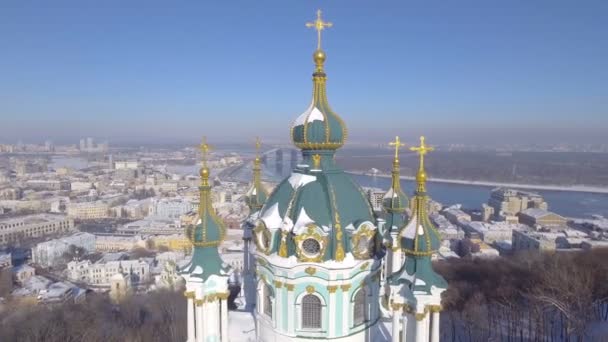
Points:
x=574, y=188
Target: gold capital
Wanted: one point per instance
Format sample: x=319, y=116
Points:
x=290, y=287
x=345, y=287
x=319, y=25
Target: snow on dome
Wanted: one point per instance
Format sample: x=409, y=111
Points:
x=411, y=229
x=197, y=270
x=298, y=179
x=311, y=114
x=271, y=217
x=302, y=221
x=287, y=224
x=390, y=194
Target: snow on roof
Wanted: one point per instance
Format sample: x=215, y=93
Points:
x=311, y=114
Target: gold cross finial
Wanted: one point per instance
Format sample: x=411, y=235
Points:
x=397, y=143
x=319, y=25
x=258, y=144
x=422, y=150
x=205, y=148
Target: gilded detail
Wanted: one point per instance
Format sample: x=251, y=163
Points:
x=310, y=289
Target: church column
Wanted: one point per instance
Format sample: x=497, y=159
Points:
x=200, y=322
x=224, y=321
x=345, y=302
x=396, y=322
x=190, y=296
x=421, y=327
x=278, y=312
x=435, y=325
x=290, y=304
x=331, y=330
x=213, y=310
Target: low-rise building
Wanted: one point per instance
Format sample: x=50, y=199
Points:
x=89, y=210
x=32, y=226
x=540, y=241
x=170, y=208
x=534, y=217
x=117, y=243
x=22, y=273
x=49, y=253
x=489, y=232
x=100, y=273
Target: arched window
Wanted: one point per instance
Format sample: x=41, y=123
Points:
x=311, y=312
x=359, y=307
x=268, y=300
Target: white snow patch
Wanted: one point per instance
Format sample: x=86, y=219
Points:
x=302, y=221
x=311, y=114
x=410, y=230
x=299, y=179
x=271, y=217
x=197, y=270
x=287, y=224
x=389, y=194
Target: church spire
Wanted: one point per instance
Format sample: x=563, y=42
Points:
x=395, y=201
x=256, y=195
x=210, y=230
x=319, y=128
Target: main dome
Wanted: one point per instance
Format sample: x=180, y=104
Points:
x=319, y=127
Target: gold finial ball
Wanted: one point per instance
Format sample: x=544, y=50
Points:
x=204, y=172
x=319, y=56
x=421, y=176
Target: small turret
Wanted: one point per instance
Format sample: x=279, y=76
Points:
x=256, y=195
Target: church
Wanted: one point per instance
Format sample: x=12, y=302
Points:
x=319, y=263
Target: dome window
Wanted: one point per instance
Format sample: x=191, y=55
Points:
x=311, y=247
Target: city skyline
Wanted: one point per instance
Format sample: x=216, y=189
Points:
x=465, y=73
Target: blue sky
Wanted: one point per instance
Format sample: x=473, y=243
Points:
x=171, y=71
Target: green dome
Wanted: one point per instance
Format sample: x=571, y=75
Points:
x=324, y=198
x=319, y=128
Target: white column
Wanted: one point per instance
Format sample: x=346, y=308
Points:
x=435, y=326
x=396, y=325
x=277, y=311
x=224, y=321
x=290, y=304
x=397, y=262
x=345, y=303
x=421, y=333
x=200, y=323
x=213, y=311
x=191, y=319
x=331, y=330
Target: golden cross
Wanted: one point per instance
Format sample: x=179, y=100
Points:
x=204, y=147
x=397, y=143
x=319, y=25
x=258, y=144
x=422, y=150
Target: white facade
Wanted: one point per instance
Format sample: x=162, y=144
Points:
x=88, y=210
x=101, y=273
x=48, y=253
x=170, y=208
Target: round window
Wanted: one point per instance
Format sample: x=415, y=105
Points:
x=363, y=244
x=311, y=246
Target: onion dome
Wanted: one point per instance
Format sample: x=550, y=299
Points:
x=207, y=234
x=419, y=238
x=256, y=195
x=318, y=213
x=319, y=128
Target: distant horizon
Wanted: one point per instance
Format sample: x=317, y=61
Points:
x=468, y=72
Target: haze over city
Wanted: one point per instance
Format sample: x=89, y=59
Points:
x=167, y=174
x=150, y=72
